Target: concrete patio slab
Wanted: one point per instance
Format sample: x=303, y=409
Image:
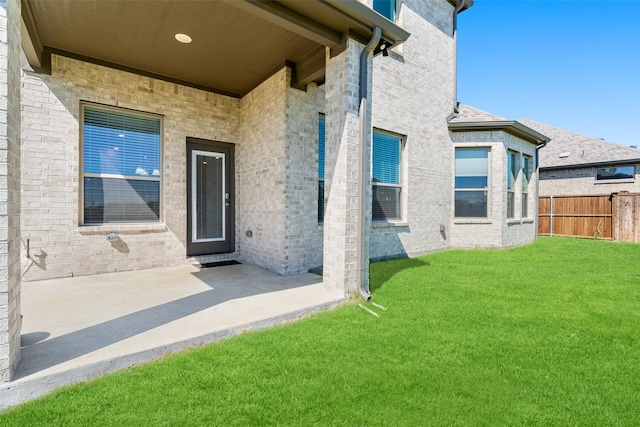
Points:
x=79, y=328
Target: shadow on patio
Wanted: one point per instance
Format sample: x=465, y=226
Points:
x=92, y=325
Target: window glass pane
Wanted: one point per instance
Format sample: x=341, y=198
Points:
x=320, y=201
x=620, y=172
x=386, y=158
x=525, y=205
x=472, y=172
x=209, y=196
x=471, y=204
x=472, y=162
x=471, y=182
x=386, y=8
x=387, y=154
x=120, y=200
x=126, y=145
x=526, y=173
x=321, y=156
x=116, y=143
x=386, y=203
x=321, y=138
x=512, y=161
x=510, y=201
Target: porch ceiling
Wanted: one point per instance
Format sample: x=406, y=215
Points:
x=236, y=43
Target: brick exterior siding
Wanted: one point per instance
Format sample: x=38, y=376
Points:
x=582, y=181
x=9, y=187
x=412, y=96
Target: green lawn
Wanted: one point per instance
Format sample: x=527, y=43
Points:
x=547, y=334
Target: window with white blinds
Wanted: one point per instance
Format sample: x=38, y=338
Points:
x=387, y=188
x=121, y=166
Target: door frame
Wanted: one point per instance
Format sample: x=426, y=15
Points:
x=211, y=247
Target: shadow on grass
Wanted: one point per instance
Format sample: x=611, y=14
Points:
x=382, y=271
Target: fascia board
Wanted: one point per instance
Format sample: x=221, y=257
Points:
x=512, y=127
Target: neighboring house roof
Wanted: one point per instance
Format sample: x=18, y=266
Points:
x=474, y=119
x=570, y=150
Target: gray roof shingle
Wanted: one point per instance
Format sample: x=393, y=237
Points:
x=577, y=149
x=467, y=112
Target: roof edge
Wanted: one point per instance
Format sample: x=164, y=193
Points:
x=467, y=4
x=512, y=127
x=592, y=164
x=369, y=19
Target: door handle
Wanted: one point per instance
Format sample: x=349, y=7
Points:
x=227, y=204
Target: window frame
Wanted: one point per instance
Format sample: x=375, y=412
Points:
x=527, y=173
x=82, y=174
x=514, y=167
x=400, y=173
x=486, y=190
x=321, y=180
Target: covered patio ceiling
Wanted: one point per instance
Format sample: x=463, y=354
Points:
x=236, y=44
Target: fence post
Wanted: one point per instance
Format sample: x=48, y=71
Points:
x=550, y=216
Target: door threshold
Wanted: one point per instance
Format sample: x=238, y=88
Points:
x=219, y=263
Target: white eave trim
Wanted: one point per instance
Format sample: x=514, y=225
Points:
x=367, y=19
x=512, y=127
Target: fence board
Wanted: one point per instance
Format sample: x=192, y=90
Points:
x=578, y=216
x=626, y=209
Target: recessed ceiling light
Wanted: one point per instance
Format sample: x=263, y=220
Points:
x=183, y=38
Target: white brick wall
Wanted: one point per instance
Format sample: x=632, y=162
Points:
x=260, y=167
x=582, y=181
x=51, y=174
x=342, y=171
x=303, y=238
x=9, y=187
x=412, y=96
x=275, y=132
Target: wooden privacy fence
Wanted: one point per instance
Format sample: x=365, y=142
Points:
x=626, y=217
x=611, y=216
